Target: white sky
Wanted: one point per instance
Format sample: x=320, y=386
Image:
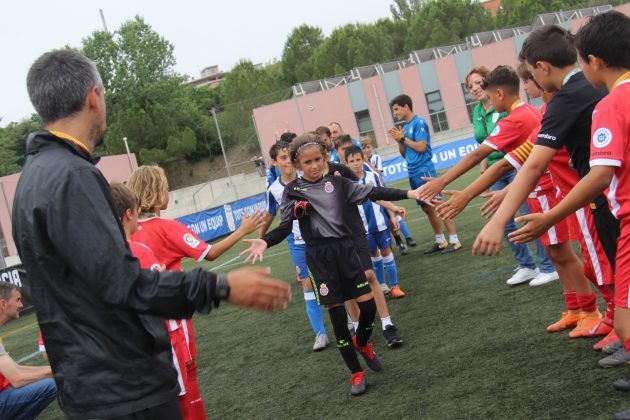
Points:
x=203, y=32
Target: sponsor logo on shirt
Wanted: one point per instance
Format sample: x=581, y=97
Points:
x=602, y=137
x=547, y=136
x=328, y=187
x=191, y=241
x=496, y=131
x=323, y=290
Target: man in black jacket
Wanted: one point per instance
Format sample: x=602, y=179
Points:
x=101, y=316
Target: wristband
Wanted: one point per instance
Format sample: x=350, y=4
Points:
x=221, y=290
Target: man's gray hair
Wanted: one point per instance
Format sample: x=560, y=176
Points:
x=5, y=289
x=58, y=83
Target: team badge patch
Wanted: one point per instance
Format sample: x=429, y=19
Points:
x=496, y=131
x=328, y=187
x=191, y=241
x=323, y=290
x=602, y=137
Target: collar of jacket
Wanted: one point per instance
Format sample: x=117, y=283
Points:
x=40, y=139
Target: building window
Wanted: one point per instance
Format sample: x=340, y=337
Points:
x=364, y=123
x=471, y=102
x=436, y=111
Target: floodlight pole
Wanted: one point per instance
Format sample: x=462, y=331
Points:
x=227, y=167
x=128, y=154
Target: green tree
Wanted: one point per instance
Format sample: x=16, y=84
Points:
x=298, y=50
x=13, y=143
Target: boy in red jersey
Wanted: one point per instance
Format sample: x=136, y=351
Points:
x=171, y=241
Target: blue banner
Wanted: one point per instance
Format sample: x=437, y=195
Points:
x=220, y=221
x=444, y=156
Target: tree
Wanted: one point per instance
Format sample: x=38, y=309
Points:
x=298, y=51
x=13, y=143
x=147, y=101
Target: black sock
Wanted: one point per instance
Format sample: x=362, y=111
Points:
x=338, y=318
x=366, y=321
x=398, y=240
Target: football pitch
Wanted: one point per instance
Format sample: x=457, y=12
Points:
x=474, y=348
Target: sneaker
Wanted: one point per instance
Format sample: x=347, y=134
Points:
x=544, y=278
x=396, y=292
x=618, y=358
x=603, y=327
x=609, y=339
x=357, y=382
x=321, y=342
x=623, y=415
x=385, y=288
x=391, y=337
x=437, y=247
x=403, y=249
x=588, y=320
x=411, y=242
x=368, y=355
x=522, y=275
x=568, y=320
x=451, y=248
x=612, y=347
x=622, y=385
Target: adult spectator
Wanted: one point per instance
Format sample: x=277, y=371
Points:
x=484, y=119
x=25, y=391
x=101, y=316
x=335, y=132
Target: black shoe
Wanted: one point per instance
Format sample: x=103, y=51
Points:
x=392, y=337
x=411, y=242
x=403, y=249
x=436, y=248
x=623, y=415
x=622, y=385
x=451, y=248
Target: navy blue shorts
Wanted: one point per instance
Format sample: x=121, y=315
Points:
x=416, y=181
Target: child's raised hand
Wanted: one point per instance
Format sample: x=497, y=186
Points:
x=255, y=251
x=252, y=222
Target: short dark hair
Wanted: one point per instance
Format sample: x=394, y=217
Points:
x=6, y=288
x=277, y=148
x=322, y=129
x=342, y=139
x=402, y=100
x=300, y=144
x=124, y=199
x=502, y=77
x=606, y=36
x=287, y=137
x=549, y=43
x=353, y=150
x=58, y=83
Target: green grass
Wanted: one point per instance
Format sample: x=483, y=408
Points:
x=474, y=348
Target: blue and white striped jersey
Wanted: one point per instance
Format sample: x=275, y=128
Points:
x=274, y=198
x=376, y=161
x=375, y=218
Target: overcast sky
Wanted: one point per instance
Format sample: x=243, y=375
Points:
x=202, y=32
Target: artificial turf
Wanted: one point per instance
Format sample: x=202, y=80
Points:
x=474, y=347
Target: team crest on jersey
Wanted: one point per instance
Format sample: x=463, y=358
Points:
x=602, y=137
x=323, y=290
x=328, y=187
x=191, y=241
x=496, y=131
x=495, y=117
x=156, y=267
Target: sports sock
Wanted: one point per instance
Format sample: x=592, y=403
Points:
x=453, y=239
x=379, y=270
x=570, y=300
x=439, y=239
x=385, y=321
x=355, y=324
x=338, y=319
x=403, y=227
x=608, y=297
x=366, y=321
x=314, y=312
x=397, y=239
x=626, y=344
x=587, y=302
x=390, y=268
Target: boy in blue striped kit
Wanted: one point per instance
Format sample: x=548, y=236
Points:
x=376, y=221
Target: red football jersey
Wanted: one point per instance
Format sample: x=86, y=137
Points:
x=170, y=241
x=144, y=254
x=610, y=144
x=514, y=130
x=517, y=158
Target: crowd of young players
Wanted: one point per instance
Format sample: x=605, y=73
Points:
x=567, y=158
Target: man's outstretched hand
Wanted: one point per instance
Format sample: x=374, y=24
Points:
x=255, y=288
